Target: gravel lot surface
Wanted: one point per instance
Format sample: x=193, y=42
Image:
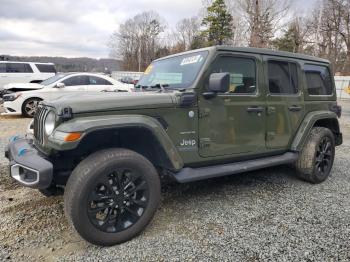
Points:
x=257, y=216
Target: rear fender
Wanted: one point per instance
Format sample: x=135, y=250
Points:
x=309, y=122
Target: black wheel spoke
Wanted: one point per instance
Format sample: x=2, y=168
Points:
x=140, y=186
x=98, y=208
x=132, y=212
x=139, y=203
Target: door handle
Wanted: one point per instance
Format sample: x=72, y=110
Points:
x=294, y=108
x=255, y=109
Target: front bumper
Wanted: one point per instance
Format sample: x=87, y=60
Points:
x=27, y=165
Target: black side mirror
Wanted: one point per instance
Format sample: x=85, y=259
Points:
x=218, y=83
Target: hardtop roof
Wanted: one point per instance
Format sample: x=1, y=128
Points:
x=252, y=50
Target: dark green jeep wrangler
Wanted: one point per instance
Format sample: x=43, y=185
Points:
x=214, y=112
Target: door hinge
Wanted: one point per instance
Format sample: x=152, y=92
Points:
x=204, y=113
x=270, y=136
x=204, y=142
x=271, y=110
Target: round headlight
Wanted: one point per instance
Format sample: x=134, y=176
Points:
x=50, y=123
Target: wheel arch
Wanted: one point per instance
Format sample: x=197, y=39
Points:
x=28, y=98
x=316, y=119
x=142, y=134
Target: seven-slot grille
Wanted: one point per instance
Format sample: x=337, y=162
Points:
x=39, y=121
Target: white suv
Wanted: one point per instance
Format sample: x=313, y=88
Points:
x=24, y=72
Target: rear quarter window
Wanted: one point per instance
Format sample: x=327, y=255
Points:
x=46, y=68
x=318, y=80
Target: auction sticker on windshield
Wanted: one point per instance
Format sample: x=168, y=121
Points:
x=191, y=60
x=148, y=69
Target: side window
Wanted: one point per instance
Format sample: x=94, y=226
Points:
x=18, y=68
x=43, y=68
x=318, y=79
x=2, y=68
x=242, y=73
x=283, y=77
x=76, y=81
x=94, y=80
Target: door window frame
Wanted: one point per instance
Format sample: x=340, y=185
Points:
x=306, y=85
x=235, y=55
x=266, y=67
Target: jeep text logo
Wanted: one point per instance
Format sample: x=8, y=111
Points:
x=190, y=142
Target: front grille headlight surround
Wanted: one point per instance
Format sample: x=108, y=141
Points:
x=50, y=122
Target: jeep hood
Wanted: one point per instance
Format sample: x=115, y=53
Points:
x=110, y=101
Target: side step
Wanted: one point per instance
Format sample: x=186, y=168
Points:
x=188, y=174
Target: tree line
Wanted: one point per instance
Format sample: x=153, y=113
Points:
x=324, y=31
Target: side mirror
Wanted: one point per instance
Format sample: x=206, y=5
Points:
x=218, y=83
x=60, y=85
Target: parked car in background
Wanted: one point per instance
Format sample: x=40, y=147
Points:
x=129, y=80
x=25, y=103
x=23, y=72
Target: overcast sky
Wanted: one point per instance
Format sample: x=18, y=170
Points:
x=74, y=28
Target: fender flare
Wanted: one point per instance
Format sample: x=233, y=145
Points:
x=86, y=125
x=305, y=127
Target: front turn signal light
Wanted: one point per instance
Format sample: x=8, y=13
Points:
x=71, y=137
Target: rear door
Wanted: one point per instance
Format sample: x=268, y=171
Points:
x=233, y=122
x=285, y=105
x=17, y=73
x=76, y=83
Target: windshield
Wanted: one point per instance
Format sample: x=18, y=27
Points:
x=175, y=72
x=53, y=79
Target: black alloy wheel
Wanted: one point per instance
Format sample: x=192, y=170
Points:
x=118, y=201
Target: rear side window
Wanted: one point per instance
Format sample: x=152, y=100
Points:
x=242, y=73
x=318, y=79
x=94, y=80
x=46, y=68
x=2, y=68
x=76, y=81
x=283, y=77
x=18, y=68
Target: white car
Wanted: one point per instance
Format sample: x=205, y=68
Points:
x=25, y=103
x=24, y=72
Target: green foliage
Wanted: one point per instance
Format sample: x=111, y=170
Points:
x=218, y=22
x=198, y=42
x=289, y=41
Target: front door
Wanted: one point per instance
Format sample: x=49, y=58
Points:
x=285, y=107
x=233, y=122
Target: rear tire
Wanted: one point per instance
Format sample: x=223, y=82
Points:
x=30, y=106
x=316, y=158
x=111, y=196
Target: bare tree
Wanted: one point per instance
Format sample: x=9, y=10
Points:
x=137, y=40
x=263, y=18
x=330, y=33
x=186, y=30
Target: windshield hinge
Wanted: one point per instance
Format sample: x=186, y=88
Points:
x=67, y=113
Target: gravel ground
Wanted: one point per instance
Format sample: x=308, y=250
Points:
x=257, y=216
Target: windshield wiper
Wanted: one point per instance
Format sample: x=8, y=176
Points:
x=159, y=86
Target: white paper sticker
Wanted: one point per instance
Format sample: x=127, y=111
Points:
x=191, y=60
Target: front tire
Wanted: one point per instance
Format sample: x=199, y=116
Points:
x=30, y=106
x=111, y=196
x=316, y=159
